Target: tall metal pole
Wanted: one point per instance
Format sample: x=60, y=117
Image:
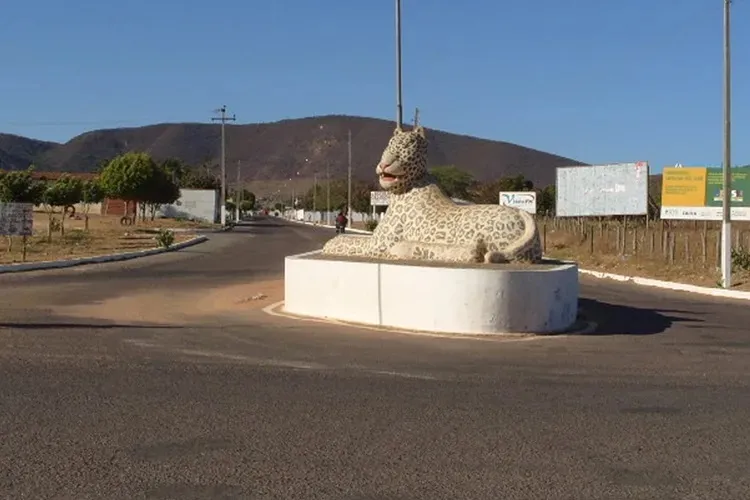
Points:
x=349, y=181
x=399, y=107
x=328, y=193
x=238, y=196
x=315, y=195
x=726, y=227
x=223, y=198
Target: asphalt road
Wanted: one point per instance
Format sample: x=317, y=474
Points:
x=237, y=404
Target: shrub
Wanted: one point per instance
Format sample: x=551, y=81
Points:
x=740, y=259
x=165, y=238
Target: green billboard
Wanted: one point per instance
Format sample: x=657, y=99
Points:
x=740, y=187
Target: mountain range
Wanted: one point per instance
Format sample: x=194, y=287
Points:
x=280, y=150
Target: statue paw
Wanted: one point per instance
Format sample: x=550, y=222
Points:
x=402, y=250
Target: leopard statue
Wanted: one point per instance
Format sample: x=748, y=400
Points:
x=424, y=224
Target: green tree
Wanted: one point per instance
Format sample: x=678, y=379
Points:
x=517, y=183
x=546, y=201
x=61, y=193
x=455, y=182
x=127, y=177
x=91, y=193
x=338, y=193
x=248, y=200
x=175, y=168
x=230, y=206
x=161, y=189
x=200, y=178
x=20, y=187
x=361, y=197
x=489, y=192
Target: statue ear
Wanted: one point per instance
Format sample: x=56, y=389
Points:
x=420, y=130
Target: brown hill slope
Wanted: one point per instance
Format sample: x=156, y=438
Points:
x=18, y=152
x=279, y=150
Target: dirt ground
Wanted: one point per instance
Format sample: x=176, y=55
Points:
x=183, y=307
x=105, y=235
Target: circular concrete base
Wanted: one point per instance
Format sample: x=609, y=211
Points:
x=472, y=299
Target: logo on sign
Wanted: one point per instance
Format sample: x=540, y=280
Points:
x=518, y=199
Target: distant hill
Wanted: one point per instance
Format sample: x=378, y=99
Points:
x=18, y=152
x=279, y=150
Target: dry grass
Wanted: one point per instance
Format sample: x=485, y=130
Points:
x=685, y=252
x=105, y=235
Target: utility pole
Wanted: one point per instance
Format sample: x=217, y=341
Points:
x=315, y=195
x=399, y=107
x=238, y=196
x=223, y=198
x=726, y=226
x=328, y=193
x=349, y=181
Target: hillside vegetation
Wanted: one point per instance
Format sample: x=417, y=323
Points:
x=279, y=150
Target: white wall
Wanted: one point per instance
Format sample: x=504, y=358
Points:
x=197, y=204
x=472, y=300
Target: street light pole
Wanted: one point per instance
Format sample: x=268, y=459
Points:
x=349, y=181
x=399, y=107
x=315, y=195
x=238, y=200
x=726, y=226
x=223, y=198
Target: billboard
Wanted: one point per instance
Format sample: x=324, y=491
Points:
x=379, y=198
x=602, y=190
x=697, y=193
x=525, y=200
x=194, y=204
x=16, y=219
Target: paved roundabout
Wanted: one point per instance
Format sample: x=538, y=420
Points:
x=164, y=378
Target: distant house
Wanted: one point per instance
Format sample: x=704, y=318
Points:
x=107, y=207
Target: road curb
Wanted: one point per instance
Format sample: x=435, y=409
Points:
x=276, y=310
x=185, y=230
x=99, y=259
x=635, y=280
x=669, y=285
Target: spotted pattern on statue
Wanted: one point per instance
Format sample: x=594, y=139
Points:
x=422, y=223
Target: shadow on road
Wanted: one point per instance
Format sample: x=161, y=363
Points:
x=74, y=326
x=615, y=319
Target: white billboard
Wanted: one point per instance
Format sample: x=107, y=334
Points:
x=525, y=200
x=379, y=198
x=602, y=190
x=195, y=204
x=16, y=219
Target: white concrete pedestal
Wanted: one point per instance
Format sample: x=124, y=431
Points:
x=475, y=299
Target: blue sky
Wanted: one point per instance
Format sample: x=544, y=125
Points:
x=596, y=80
